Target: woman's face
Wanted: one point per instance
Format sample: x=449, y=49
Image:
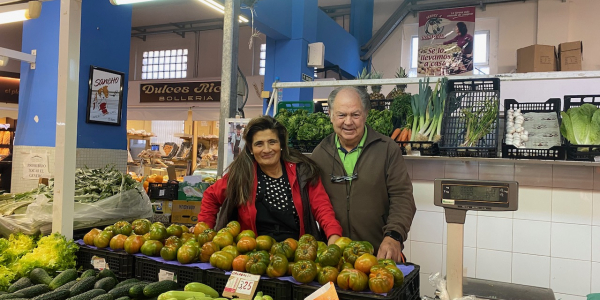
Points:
x=266, y=148
x=456, y=30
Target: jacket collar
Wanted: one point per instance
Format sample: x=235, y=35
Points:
x=329, y=142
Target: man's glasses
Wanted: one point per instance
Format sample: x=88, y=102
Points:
x=338, y=179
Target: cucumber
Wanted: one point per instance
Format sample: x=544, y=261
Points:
x=12, y=296
x=20, y=284
x=82, y=286
x=88, y=295
x=181, y=295
x=157, y=288
x=107, y=283
x=201, y=287
x=106, y=273
x=121, y=291
x=35, y=290
x=39, y=275
x=62, y=278
x=128, y=281
x=104, y=297
x=67, y=286
x=88, y=273
x=54, y=295
x=137, y=290
x=123, y=298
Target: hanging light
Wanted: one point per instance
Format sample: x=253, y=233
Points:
x=20, y=12
x=219, y=7
x=122, y=2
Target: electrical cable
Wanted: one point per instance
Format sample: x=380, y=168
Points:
x=241, y=109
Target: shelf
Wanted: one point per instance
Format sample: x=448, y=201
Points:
x=505, y=161
x=139, y=136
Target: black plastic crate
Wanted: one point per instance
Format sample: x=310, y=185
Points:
x=304, y=146
x=581, y=152
x=381, y=104
x=553, y=153
x=463, y=94
x=163, y=191
x=147, y=269
x=424, y=148
x=410, y=290
x=121, y=263
x=278, y=289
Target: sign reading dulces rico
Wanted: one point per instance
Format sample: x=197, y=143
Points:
x=180, y=92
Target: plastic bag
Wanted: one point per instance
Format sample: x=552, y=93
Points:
x=19, y=223
x=437, y=281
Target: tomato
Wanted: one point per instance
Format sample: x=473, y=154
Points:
x=355, y=249
x=118, y=242
x=234, y=228
x=88, y=239
x=343, y=242
x=158, y=233
x=330, y=256
x=123, y=227
x=187, y=254
x=327, y=274
x=223, y=239
x=292, y=243
x=247, y=232
x=246, y=244
x=264, y=242
x=308, y=239
x=186, y=236
x=284, y=249
x=141, y=226
x=231, y=250
x=169, y=252
x=111, y=228
x=207, y=250
x=147, y=236
x=174, y=230
x=290, y=268
x=386, y=262
x=102, y=240
x=304, y=271
x=221, y=260
x=151, y=248
x=346, y=266
x=381, y=280
x=200, y=227
x=321, y=247
x=398, y=276
x=173, y=241
x=239, y=263
x=157, y=224
x=184, y=228
x=278, y=266
x=351, y=279
x=365, y=262
x=206, y=236
x=133, y=244
x=319, y=267
x=306, y=252
x=258, y=262
x=192, y=242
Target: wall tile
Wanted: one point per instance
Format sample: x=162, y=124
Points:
x=596, y=244
x=428, y=170
x=469, y=261
x=494, y=265
x=573, y=177
x=531, y=270
x=494, y=233
x=571, y=241
x=406, y=250
x=560, y=296
x=596, y=171
x=572, y=206
x=596, y=209
x=428, y=227
x=534, y=204
x=470, y=231
x=533, y=175
x=531, y=237
x=595, y=278
x=423, y=194
x=426, y=289
x=427, y=255
x=461, y=170
x=496, y=171
x=496, y=214
x=569, y=276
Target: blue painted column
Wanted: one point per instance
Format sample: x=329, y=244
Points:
x=361, y=22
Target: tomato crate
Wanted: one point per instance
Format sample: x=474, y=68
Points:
x=121, y=263
x=419, y=148
x=147, y=269
x=278, y=289
x=304, y=146
x=410, y=290
x=163, y=191
x=553, y=153
x=581, y=152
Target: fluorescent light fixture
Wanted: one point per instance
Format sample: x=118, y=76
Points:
x=122, y=2
x=218, y=6
x=3, y=61
x=20, y=12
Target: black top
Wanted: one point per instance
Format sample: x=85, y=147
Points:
x=276, y=214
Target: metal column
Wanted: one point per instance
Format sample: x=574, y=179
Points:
x=229, y=73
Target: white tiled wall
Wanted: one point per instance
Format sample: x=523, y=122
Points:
x=551, y=241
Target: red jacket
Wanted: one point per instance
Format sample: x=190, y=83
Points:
x=322, y=210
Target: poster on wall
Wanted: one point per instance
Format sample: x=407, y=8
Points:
x=446, y=42
x=234, y=143
x=105, y=96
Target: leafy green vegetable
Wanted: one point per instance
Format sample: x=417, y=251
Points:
x=581, y=125
x=401, y=109
x=17, y=245
x=6, y=277
x=381, y=121
x=53, y=253
x=304, y=126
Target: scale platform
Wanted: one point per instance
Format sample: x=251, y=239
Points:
x=487, y=289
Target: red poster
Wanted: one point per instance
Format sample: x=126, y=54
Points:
x=446, y=42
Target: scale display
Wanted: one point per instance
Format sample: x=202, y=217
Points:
x=476, y=195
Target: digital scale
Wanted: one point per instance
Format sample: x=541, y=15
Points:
x=457, y=196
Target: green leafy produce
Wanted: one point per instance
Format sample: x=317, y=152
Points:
x=381, y=121
x=581, y=125
x=6, y=277
x=402, y=110
x=479, y=122
x=303, y=126
x=53, y=253
x=15, y=247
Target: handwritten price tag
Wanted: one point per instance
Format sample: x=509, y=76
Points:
x=99, y=263
x=166, y=275
x=241, y=284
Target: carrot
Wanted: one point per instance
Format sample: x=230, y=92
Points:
x=408, y=137
x=396, y=133
x=402, y=136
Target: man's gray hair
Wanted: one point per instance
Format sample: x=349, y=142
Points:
x=365, y=100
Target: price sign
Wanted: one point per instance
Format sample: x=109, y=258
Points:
x=242, y=285
x=166, y=275
x=99, y=263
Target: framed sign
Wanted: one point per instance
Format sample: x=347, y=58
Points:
x=105, y=96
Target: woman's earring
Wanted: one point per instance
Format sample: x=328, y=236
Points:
x=251, y=153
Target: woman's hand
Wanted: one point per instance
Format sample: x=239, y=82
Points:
x=332, y=239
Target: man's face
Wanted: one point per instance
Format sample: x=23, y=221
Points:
x=238, y=131
x=348, y=117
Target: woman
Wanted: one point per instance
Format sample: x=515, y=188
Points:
x=465, y=41
x=273, y=190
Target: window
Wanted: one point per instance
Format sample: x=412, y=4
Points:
x=165, y=131
x=164, y=64
x=414, y=54
x=263, y=59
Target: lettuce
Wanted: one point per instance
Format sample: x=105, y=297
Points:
x=53, y=253
x=17, y=245
x=581, y=125
x=6, y=277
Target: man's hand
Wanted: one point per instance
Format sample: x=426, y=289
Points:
x=332, y=239
x=390, y=249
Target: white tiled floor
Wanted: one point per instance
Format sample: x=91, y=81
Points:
x=494, y=233
x=531, y=270
x=571, y=277
x=572, y=206
x=494, y=265
x=571, y=241
x=531, y=237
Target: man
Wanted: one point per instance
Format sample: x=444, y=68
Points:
x=365, y=176
x=235, y=141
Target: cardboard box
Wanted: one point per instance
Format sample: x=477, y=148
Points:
x=162, y=206
x=185, y=212
x=536, y=58
x=192, y=188
x=570, y=56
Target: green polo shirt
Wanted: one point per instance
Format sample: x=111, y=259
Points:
x=349, y=158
